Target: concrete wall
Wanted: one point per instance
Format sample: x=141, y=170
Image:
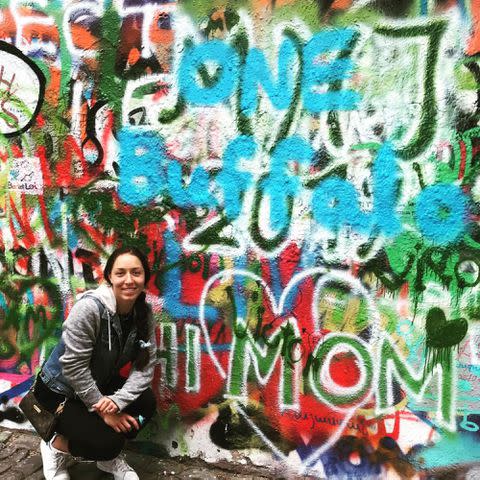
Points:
x=304, y=177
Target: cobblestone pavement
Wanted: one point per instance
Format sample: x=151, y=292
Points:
x=20, y=459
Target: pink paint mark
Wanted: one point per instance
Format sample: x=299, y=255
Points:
x=14, y=378
x=403, y=308
x=10, y=363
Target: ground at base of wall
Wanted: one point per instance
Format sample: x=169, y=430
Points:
x=20, y=460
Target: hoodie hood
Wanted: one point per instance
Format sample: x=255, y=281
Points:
x=105, y=294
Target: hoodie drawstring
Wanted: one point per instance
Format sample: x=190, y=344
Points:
x=109, y=334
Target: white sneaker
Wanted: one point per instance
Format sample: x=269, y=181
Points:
x=54, y=462
x=120, y=469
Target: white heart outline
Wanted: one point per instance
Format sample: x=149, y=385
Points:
x=331, y=276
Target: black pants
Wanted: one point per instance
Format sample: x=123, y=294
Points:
x=88, y=435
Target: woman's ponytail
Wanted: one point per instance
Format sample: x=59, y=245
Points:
x=141, y=322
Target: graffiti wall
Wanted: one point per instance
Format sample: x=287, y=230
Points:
x=305, y=178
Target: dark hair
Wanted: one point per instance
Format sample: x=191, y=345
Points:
x=140, y=307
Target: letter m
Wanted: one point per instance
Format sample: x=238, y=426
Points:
x=254, y=359
x=415, y=382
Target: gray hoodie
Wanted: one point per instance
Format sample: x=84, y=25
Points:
x=86, y=353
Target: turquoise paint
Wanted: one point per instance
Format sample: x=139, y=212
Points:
x=441, y=213
x=257, y=73
x=141, y=159
x=226, y=60
x=234, y=180
x=449, y=451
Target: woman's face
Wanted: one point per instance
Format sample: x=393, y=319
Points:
x=128, y=281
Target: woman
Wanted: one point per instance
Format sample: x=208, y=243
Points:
x=106, y=329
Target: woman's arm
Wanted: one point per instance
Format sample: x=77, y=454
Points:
x=138, y=380
x=80, y=331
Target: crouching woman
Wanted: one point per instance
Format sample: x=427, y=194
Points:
x=105, y=330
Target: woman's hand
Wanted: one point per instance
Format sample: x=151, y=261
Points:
x=121, y=422
x=105, y=405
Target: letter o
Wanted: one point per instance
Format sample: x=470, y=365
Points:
x=323, y=385
x=195, y=58
x=441, y=212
